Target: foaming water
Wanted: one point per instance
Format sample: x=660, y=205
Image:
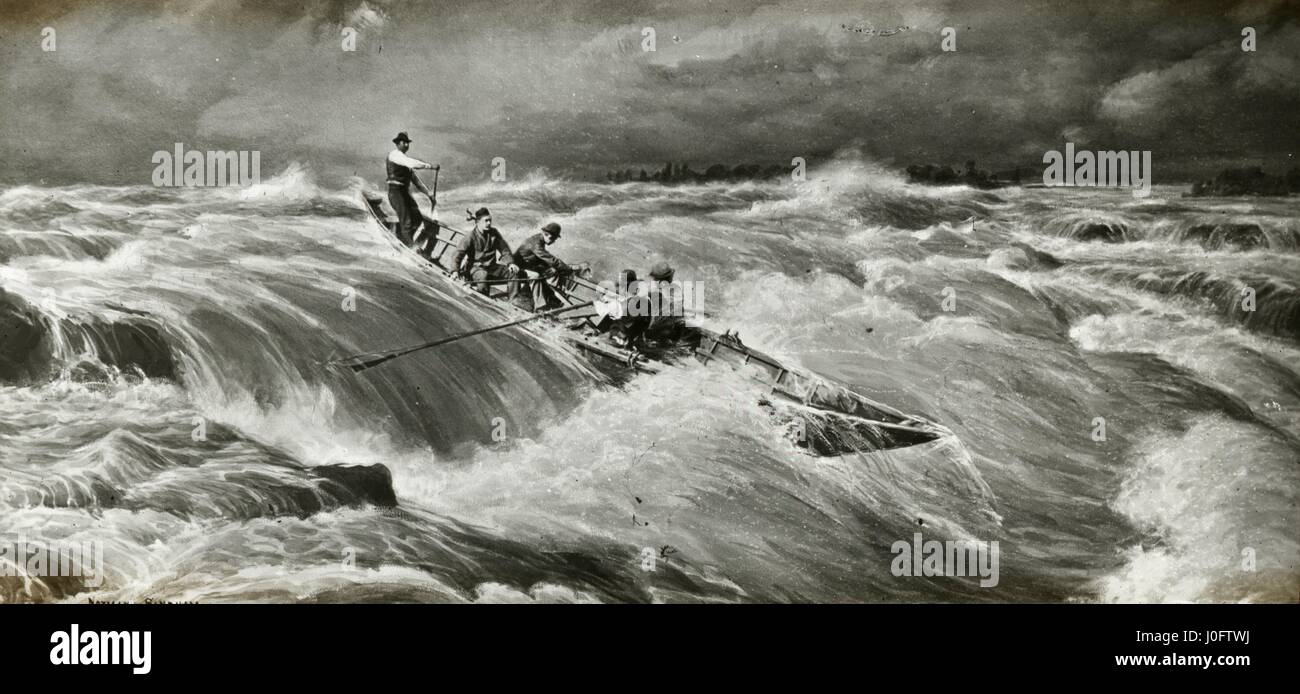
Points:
x=1216, y=504
x=166, y=393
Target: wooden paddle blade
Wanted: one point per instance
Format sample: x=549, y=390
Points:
x=361, y=362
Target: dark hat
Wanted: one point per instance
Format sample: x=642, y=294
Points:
x=553, y=229
x=627, y=281
x=661, y=271
x=401, y=137
x=481, y=212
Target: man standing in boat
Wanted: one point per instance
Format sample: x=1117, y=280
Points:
x=532, y=256
x=484, y=258
x=401, y=174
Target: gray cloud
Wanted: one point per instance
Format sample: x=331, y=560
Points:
x=566, y=85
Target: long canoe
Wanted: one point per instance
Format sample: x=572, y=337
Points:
x=832, y=418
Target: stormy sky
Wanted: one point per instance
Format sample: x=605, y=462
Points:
x=567, y=85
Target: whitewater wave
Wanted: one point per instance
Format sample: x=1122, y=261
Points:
x=1176, y=226
x=137, y=318
x=1210, y=537
x=1263, y=304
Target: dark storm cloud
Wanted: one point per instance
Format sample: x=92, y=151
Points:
x=566, y=85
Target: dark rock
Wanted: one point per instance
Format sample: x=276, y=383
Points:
x=372, y=484
x=1040, y=259
x=1022, y=256
x=89, y=372
x=24, y=351
x=1239, y=237
x=133, y=345
x=1107, y=232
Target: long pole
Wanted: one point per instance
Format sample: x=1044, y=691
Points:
x=361, y=362
x=433, y=204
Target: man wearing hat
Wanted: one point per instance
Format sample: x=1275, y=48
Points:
x=401, y=173
x=654, y=310
x=483, y=252
x=667, y=309
x=533, y=257
x=630, y=319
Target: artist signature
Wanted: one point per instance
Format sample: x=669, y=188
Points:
x=868, y=30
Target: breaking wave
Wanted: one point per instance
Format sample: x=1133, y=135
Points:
x=164, y=392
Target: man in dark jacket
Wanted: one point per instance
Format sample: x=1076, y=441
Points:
x=654, y=310
x=666, y=304
x=628, y=321
x=533, y=257
x=481, y=256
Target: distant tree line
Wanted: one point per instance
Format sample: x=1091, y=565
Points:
x=937, y=175
x=682, y=173
x=1248, y=181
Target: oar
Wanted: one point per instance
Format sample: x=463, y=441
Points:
x=361, y=362
x=433, y=195
x=518, y=279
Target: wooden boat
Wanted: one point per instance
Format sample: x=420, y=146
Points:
x=829, y=418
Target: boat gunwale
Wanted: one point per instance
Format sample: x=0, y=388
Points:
x=902, y=420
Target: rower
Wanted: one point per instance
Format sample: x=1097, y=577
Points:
x=401, y=173
x=484, y=254
x=532, y=257
x=667, y=309
x=632, y=315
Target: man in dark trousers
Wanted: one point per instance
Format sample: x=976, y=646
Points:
x=486, y=257
x=533, y=257
x=401, y=174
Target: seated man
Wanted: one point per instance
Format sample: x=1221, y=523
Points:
x=482, y=253
x=667, y=307
x=652, y=311
x=621, y=319
x=650, y=315
x=532, y=256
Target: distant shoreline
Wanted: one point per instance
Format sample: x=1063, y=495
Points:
x=1249, y=181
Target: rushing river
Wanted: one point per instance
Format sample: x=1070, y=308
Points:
x=164, y=393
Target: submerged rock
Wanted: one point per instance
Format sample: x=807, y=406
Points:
x=1237, y=237
x=26, y=348
x=372, y=484
x=1022, y=256
x=24, y=351
x=1107, y=232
